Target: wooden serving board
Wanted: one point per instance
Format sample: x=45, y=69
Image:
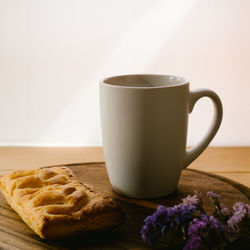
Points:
x=14, y=234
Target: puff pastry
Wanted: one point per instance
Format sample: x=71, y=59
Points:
x=53, y=203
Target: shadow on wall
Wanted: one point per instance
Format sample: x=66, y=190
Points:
x=53, y=54
x=211, y=49
x=131, y=51
x=59, y=52
x=54, y=48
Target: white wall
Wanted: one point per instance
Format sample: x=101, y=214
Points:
x=54, y=52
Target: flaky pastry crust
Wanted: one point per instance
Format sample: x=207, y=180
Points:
x=53, y=203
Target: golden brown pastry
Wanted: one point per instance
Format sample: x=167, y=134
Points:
x=53, y=203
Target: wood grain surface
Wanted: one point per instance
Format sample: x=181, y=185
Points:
x=230, y=162
x=14, y=234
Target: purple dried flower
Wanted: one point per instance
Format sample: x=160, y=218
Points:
x=239, y=206
x=212, y=195
x=241, y=211
x=155, y=225
x=233, y=223
x=225, y=210
x=165, y=219
x=202, y=230
x=193, y=200
x=198, y=194
x=183, y=214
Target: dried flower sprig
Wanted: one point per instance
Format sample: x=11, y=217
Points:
x=198, y=229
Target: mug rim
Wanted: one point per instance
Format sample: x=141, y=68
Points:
x=183, y=82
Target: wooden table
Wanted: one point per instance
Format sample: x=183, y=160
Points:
x=232, y=163
x=229, y=162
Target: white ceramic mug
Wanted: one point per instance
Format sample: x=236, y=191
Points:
x=144, y=122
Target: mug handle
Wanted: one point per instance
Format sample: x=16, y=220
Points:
x=195, y=95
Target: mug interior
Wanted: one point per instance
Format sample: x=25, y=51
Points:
x=145, y=81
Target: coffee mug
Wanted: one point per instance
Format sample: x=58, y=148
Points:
x=144, y=120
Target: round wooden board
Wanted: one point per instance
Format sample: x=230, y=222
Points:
x=14, y=234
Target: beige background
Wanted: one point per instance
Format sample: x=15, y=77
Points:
x=53, y=53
